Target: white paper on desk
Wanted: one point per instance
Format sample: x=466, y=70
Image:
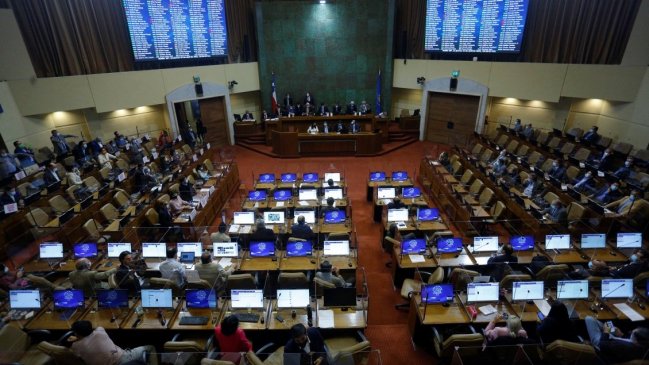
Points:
x=417, y=258
x=487, y=309
x=10, y=208
x=225, y=262
x=435, y=163
x=256, y=205
x=543, y=306
x=629, y=312
x=326, y=318
x=303, y=203
x=279, y=204
x=245, y=229
x=233, y=228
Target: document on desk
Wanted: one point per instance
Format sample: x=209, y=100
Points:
x=279, y=204
x=543, y=306
x=629, y=312
x=326, y=318
x=417, y=258
x=487, y=309
x=225, y=262
x=303, y=203
x=234, y=228
x=245, y=229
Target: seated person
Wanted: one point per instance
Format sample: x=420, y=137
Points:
x=313, y=129
x=262, y=233
x=12, y=280
x=128, y=274
x=329, y=207
x=510, y=178
x=74, y=178
x=591, y=136
x=585, y=184
x=528, y=131
x=247, y=116
x=212, y=272
x=557, y=325
x=220, y=236
x=51, y=174
x=308, y=343
x=11, y=195
x=340, y=128
x=353, y=127
x=637, y=264
x=607, y=194
x=186, y=190
x=624, y=171
x=89, y=280
x=172, y=269
x=558, y=170
x=506, y=256
x=231, y=339
x=120, y=140
x=530, y=186
x=626, y=205
x=499, y=166
x=556, y=212
x=396, y=203
x=104, y=158
x=611, y=343
x=164, y=216
x=325, y=127
x=514, y=328
x=24, y=154
x=330, y=274
x=176, y=203
x=604, y=162
x=202, y=172
x=301, y=229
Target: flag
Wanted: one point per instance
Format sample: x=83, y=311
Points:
x=273, y=96
x=377, y=107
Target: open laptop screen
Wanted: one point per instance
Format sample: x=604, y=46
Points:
x=246, y=298
x=557, y=241
x=154, y=249
x=51, y=250
x=112, y=298
x=157, y=298
x=629, y=240
x=257, y=195
x=527, y=290
x=24, y=299
x=414, y=246
x=289, y=177
x=299, y=248
x=437, y=293
x=572, y=289
x=195, y=247
x=336, y=193
x=274, y=217
x=482, y=292
x=410, y=193
x=399, y=176
x=310, y=177
x=386, y=192
x=262, y=248
x=335, y=176
x=308, y=194
x=334, y=216
x=267, y=178
x=377, y=176
x=85, y=250
x=187, y=257
x=398, y=215
x=593, y=240
x=309, y=216
x=336, y=248
x=485, y=244
x=200, y=298
x=66, y=299
x=522, y=243
x=282, y=194
x=226, y=249
x=427, y=214
x=447, y=245
x=617, y=288
x=244, y=218
x=116, y=248
x=292, y=298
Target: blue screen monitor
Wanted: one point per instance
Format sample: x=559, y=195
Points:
x=414, y=246
x=299, y=248
x=334, y=216
x=289, y=177
x=257, y=195
x=399, y=176
x=427, y=214
x=112, y=298
x=522, y=243
x=310, y=177
x=377, y=176
x=282, y=194
x=262, y=249
x=410, y=193
x=67, y=299
x=85, y=250
x=267, y=178
x=200, y=298
x=436, y=293
x=449, y=245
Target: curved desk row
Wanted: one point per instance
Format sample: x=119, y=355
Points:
x=293, y=144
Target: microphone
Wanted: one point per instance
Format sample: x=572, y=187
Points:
x=309, y=315
x=137, y=321
x=161, y=317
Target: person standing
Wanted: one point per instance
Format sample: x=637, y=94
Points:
x=61, y=148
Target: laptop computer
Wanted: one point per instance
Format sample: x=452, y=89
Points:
x=310, y=177
x=262, y=249
x=334, y=217
x=436, y=293
x=187, y=259
x=84, y=250
x=299, y=248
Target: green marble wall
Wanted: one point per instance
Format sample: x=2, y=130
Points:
x=332, y=50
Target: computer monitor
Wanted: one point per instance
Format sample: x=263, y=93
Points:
x=617, y=288
x=398, y=215
x=449, y=244
x=411, y=193
x=527, y=290
x=67, y=299
x=262, y=248
x=157, y=298
x=522, y=243
x=334, y=216
x=246, y=298
x=154, y=249
x=310, y=177
x=292, y=298
x=51, y=250
x=482, y=292
x=299, y=248
x=308, y=194
x=336, y=248
x=335, y=176
x=377, y=176
x=336, y=193
x=225, y=249
x=116, y=248
x=195, y=247
x=413, y=246
x=557, y=241
x=386, y=192
x=257, y=195
x=201, y=298
x=309, y=216
x=187, y=257
x=485, y=244
x=274, y=217
x=112, y=298
x=25, y=299
x=339, y=297
x=267, y=178
x=436, y=293
x=87, y=249
x=572, y=289
x=399, y=176
x=289, y=177
x=427, y=214
x=629, y=240
x=593, y=240
x=282, y=194
x=244, y=218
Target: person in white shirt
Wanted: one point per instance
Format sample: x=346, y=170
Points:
x=172, y=269
x=104, y=158
x=313, y=129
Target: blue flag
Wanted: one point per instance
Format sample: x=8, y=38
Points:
x=377, y=107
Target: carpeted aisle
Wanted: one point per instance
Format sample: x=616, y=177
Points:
x=387, y=328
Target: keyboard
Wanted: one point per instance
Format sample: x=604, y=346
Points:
x=247, y=317
x=193, y=320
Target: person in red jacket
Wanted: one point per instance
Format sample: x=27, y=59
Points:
x=232, y=340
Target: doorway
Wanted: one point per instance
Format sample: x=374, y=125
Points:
x=451, y=118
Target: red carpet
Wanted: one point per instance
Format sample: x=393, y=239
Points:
x=387, y=329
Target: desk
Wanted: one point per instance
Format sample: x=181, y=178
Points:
x=51, y=319
x=307, y=263
x=149, y=319
x=214, y=314
x=352, y=318
x=293, y=144
x=289, y=321
x=501, y=307
x=264, y=315
x=258, y=263
x=388, y=182
x=403, y=267
x=103, y=316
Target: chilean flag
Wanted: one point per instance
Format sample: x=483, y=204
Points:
x=273, y=96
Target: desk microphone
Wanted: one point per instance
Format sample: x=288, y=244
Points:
x=137, y=321
x=309, y=315
x=161, y=317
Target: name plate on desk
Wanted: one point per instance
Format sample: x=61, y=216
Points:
x=19, y=175
x=145, y=159
x=10, y=208
x=201, y=151
x=208, y=146
x=192, y=215
x=194, y=157
x=121, y=177
x=205, y=191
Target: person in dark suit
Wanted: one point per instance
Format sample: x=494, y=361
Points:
x=262, y=233
x=396, y=203
x=556, y=212
x=164, y=216
x=301, y=229
x=530, y=186
x=354, y=128
x=308, y=98
x=186, y=190
x=337, y=110
x=506, y=256
x=329, y=207
x=10, y=196
x=557, y=325
x=247, y=116
x=591, y=136
x=585, y=184
x=308, y=343
x=624, y=171
x=558, y=170
x=605, y=161
x=125, y=276
x=288, y=100
x=637, y=265
x=612, y=344
x=323, y=109
x=50, y=175
x=351, y=108
x=607, y=194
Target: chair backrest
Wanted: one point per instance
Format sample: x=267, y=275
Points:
x=165, y=198
x=604, y=142
x=502, y=140
x=549, y=197
x=456, y=168
x=59, y=204
x=208, y=165
x=575, y=132
x=476, y=187
x=69, y=161
x=437, y=276
x=542, y=137
x=188, y=150
x=207, y=361
x=506, y=282
x=461, y=277
x=551, y=273
x=471, y=344
x=485, y=197
x=151, y=216
x=477, y=148
x=534, y=157
x=547, y=165
x=174, y=187
x=162, y=283
x=554, y=142
x=37, y=217
x=109, y=212
x=122, y=164
x=62, y=355
x=121, y=199
x=576, y=211
x=582, y=154
x=486, y=155
x=70, y=191
x=91, y=183
x=105, y=172
x=565, y=352
x=14, y=343
x=112, y=281
x=642, y=155
x=622, y=148
x=292, y=280
x=466, y=177
x=512, y=146
x=90, y=227
x=183, y=346
x=240, y=281
x=567, y=148
x=572, y=172
x=252, y=359
x=321, y=284
x=522, y=150
x=355, y=354
x=497, y=210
